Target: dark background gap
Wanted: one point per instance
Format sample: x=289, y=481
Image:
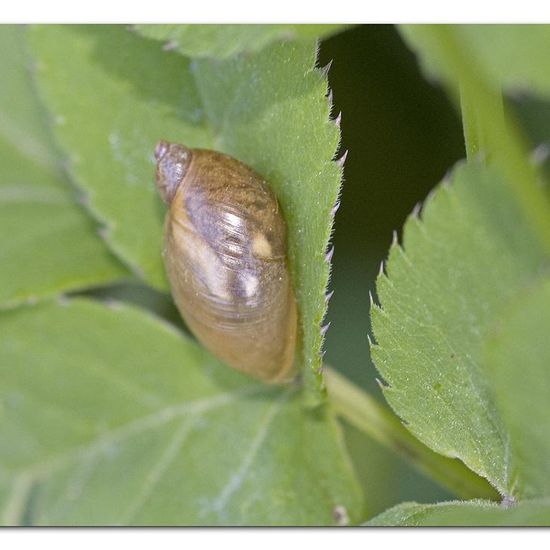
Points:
x=403, y=135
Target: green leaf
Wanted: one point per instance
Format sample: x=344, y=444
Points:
x=109, y=416
x=463, y=514
x=518, y=359
x=267, y=109
x=375, y=420
x=49, y=244
x=222, y=41
x=124, y=95
x=510, y=56
x=458, y=269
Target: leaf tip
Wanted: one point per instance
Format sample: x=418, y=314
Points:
x=341, y=161
x=371, y=299
x=325, y=70
x=329, y=254
x=381, y=271
x=415, y=214
x=325, y=328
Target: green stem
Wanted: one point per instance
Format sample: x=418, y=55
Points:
x=476, y=139
x=378, y=422
x=488, y=130
x=472, y=138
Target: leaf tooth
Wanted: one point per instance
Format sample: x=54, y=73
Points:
x=432, y=194
x=446, y=181
x=329, y=97
x=329, y=254
x=395, y=239
x=320, y=369
x=378, y=308
x=335, y=207
x=371, y=299
x=338, y=119
x=340, y=162
x=371, y=338
x=325, y=70
x=381, y=272
x=328, y=296
x=415, y=214
x=325, y=328
x=382, y=384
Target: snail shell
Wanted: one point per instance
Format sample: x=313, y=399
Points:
x=225, y=253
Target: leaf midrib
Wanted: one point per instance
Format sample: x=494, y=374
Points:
x=158, y=418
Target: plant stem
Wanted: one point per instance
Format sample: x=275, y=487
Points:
x=476, y=139
x=378, y=422
x=472, y=138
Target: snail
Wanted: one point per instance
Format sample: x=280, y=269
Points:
x=225, y=252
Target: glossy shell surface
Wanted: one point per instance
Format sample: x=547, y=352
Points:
x=226, y=258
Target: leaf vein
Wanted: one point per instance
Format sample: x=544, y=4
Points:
x=236, y=480
x=45, y=468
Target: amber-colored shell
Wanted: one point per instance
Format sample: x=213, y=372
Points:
x=226, y=258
